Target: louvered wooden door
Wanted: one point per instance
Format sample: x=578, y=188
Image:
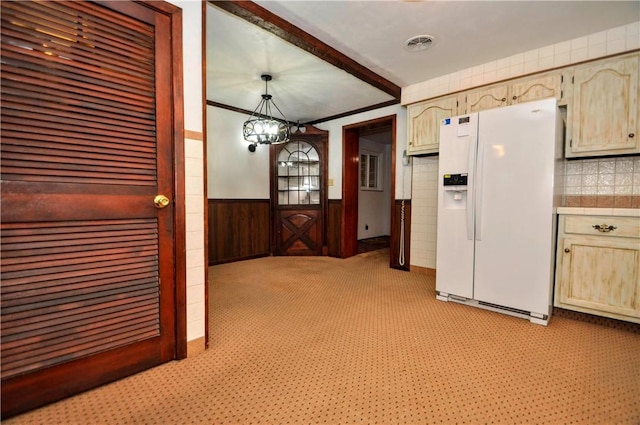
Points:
x=87, y=259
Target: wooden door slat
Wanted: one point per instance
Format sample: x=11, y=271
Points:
x=144, y=150
x=24, y=89
x=18, y=330
x=92, y=101
x=79, y=283
x=88, y=325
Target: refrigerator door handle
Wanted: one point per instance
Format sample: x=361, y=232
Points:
x=477, y=198
x=471, y=164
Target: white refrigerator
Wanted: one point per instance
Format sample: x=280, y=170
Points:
x=496, y=209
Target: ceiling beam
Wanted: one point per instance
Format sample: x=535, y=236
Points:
x=257, y=15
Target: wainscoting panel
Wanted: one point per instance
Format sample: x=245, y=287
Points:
x=333, y=228
x=238, y=229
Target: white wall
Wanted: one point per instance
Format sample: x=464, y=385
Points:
x=192, y=62
x=335, y=147
x=194, y=164
x=374, y=206
x=233, y=172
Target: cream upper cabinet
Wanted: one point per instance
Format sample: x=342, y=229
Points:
x=423, y=120
x=602, y=111
x=487, y=98
x=536, y=88
x=598, y=266
x=518, y=91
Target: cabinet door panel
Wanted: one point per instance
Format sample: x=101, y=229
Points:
x=530, y=89
x=489, y=98
x=300, y=232
x=601, y=275
x=603, y=115
x=424, y=124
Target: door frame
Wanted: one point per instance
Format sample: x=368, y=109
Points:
x=177, y=120
x=350, y=181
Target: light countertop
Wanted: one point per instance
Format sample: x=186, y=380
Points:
x=620, y=212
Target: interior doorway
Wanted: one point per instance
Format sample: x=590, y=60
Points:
x=368, y=191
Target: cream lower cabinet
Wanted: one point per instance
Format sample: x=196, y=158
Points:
x=598, y=266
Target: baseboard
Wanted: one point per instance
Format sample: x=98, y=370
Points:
x=423, y=270
x=598, y=320
x=195, y=347
x=235, y=259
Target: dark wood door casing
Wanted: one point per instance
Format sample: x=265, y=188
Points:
x=350, y=189
x=92, y=130
x=350, y=183
x=300, y=229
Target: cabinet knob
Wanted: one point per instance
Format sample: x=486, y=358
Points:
x=632, y=135
x=514, y=97
x=504, y=99
x=567, y=250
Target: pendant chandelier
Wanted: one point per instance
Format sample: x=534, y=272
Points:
x=261, y=127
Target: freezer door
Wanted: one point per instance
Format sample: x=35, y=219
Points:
x=514, y=206
x=454, y=260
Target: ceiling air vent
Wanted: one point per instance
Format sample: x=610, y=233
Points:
x=419, y=43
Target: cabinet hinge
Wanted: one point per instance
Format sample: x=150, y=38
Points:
x=572, y=79
x=571, y=143
x=561, y=94
x=562, y=79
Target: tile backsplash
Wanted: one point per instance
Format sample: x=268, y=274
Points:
x=612, y=182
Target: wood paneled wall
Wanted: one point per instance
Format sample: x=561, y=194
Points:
x=238, y=229
x=334, y=223
x=396, y=226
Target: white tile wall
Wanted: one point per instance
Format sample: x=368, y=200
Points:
x=615, y=40
x=424, y=211
x=194, y=206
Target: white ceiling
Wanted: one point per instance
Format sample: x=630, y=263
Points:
x=373, y=33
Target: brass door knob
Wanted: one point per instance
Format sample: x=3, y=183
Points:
x=160, y=201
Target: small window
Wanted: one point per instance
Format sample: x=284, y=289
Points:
x=370, y=173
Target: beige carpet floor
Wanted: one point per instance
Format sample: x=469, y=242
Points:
x=329, y=341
